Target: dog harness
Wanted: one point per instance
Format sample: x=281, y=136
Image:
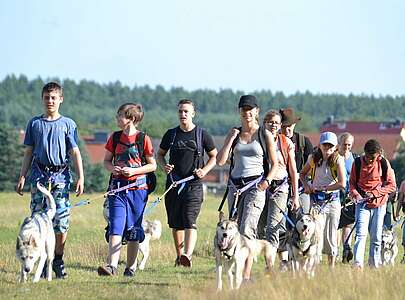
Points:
x=296, y=242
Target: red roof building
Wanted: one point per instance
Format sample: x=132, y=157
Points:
x=388, y=134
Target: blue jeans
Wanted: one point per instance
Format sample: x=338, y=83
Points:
x=368, y=220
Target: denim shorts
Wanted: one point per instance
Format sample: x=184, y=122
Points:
x=60, y=193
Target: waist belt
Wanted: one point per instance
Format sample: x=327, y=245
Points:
x=242, y=181
x=122, y=184
x=51, y=168
x=323, y=196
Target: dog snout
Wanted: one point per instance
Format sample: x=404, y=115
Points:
x=305, y=226
x=27, y=270
x=224, y=234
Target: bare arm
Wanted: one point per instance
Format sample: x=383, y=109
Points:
x=292, y=170
x=161, y=160
x=78, y=164
x=224, y=152
x=212, y=160
x=24, y=169
x=271, y=150
x=303, y=175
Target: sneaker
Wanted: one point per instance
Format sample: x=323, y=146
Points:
x=129, y=272
x=107, y=271
x=185, y=261
x=58, y=266
x=403, y=259
x=177, y=262
x=283, y=266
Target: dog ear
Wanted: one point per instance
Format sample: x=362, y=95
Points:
x=221, y=216
x=32, y=241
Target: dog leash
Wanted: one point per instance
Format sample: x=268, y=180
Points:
x=159, y=199
x=239, y=192
x=126, y=187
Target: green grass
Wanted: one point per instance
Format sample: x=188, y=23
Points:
x=86, y=250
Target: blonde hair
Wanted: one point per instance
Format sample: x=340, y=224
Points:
x=344, y=136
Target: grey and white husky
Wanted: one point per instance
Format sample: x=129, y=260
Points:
x=36, y=240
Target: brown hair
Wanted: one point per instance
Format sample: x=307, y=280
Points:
x=132, y=111
x=186, y=101
x=270, y=114
x=52, y=86
x=318, y=158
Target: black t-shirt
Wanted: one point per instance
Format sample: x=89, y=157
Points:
x=184, y=148
x=301, y=157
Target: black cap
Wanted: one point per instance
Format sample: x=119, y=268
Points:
x=248, y=100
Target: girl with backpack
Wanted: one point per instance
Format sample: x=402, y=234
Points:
x=327, y=170
x=277, y=194
x=254, y=162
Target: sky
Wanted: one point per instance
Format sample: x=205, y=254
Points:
x=321, y=46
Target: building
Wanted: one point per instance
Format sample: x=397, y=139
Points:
x=389, y=134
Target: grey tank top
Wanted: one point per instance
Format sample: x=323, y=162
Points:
x=248, y=159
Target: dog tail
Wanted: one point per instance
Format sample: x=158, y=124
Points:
x=50, y=201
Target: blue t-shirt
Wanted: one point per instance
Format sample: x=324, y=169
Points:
x=348, y=166
x=51, y=141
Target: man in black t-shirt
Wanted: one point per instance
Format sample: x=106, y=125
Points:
x=183, y=203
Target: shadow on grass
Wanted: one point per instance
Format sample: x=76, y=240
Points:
x=79, y=266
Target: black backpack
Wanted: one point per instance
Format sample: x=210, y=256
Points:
x=384, y=168
x=199, y=153
x=139, y=142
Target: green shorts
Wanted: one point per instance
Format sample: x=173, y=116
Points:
x=60, y=192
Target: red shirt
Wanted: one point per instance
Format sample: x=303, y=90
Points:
x=370, y=181
x=126, y=153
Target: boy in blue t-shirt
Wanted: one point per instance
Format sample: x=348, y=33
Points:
x=51, y=141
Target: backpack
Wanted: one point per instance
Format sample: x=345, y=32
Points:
x=199, y=153
x=384, y=168
x=333, y=170
x=139, y=142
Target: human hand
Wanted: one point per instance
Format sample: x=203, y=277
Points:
x=168, y=168
x=79, y=187
x=20, y=186
x=295, y=203
x=233, y=133
x=117, y=171
x=200, y=173
x=128, y=171
x=263, y=185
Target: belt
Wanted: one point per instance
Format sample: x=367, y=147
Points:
x=51, y=168
x=118, y=183
x=322, y=196
x=241, y=181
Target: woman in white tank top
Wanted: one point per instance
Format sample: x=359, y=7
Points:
x=244, y=146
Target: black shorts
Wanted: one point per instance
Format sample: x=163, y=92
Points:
x=183, y=209
x=347, y=215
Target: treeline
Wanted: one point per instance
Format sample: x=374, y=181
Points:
x=93, y=105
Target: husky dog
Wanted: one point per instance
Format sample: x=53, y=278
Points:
x=303, y=245
x=36, y=240
x=389, y=247
x=153, y=231
x=232, y=249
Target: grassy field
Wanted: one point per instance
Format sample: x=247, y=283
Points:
x=86, y=250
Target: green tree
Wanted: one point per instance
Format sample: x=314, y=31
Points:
x=11, y=154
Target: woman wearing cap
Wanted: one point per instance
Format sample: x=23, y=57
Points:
x=248, y=146
x=327, y=171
